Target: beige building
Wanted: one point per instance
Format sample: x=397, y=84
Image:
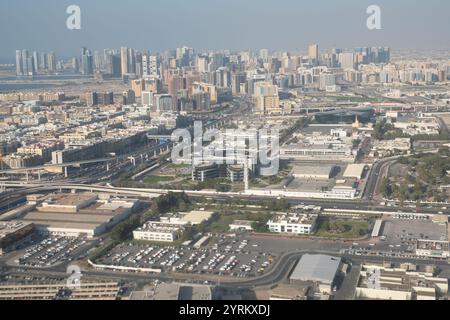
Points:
x=266, y=97
x=381, y=283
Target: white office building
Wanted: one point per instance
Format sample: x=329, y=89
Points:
x=292, y=223
x=158, y=232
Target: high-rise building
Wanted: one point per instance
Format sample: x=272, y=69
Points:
x=147, y=98
x=347, y=60
x=264, y=55
x=87, y=62
x=223, y=78
x=113, y=65
x=150, y=65
x=138, y=86
x=313, y=54
x=202, y=63
x=98, y=60
x=131, y=61
x=36, y=60
x=24, y=63
x=75, y=65
x=128, y=97
x=43, y=65
x=266, y=96
x=236, y=80
x=326, y=80
x=108, y=98
x=51, y=62
x=91, y=99
x=154, y=65
x=19, y=63
x=124, y=60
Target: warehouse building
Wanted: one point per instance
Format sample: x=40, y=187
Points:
x=355, y=171
x=314, y=172
x=319, y=270
x=79, y=214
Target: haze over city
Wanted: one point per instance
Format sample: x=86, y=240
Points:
x=215, y=24
x=235, y=151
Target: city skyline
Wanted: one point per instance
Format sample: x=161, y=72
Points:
x=277, y=25
x=225, y=150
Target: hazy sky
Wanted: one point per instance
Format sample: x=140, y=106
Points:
x=218, y=24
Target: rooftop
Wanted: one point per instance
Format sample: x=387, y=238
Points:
x=317, y=268
x=293, y=218
x=10, y=227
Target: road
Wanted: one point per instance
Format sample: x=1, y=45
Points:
x=30, y=188
x=279, y=272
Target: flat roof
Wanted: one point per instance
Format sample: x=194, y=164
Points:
x=313, y=170
x=66, y=199
x=66, y=217
x=197, y=217
x=318, y=268
x=377, y=228
x=68, y=226
x=174, y=291
x=354, y=170
x=9, y=227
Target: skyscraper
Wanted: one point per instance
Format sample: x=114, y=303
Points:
x=87, y=62
x=43, y=65
x=36, y=61
x=313, y=54
x=124, y=60
x=24, y=63
x=113, y=65
x=264, y=55
x=19, y=63
x=131, y=61
x=51, y=62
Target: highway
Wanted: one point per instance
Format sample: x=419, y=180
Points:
x=30, y=188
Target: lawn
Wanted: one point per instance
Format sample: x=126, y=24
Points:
x=157, y=179
x=222, y=224
x=341, y=228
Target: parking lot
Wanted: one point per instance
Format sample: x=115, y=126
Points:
x=51, y=251
x=222, y=256
x=399, y=235
x=405, y=232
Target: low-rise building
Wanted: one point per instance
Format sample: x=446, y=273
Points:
x=432, y=248
x=318, y=270
x=158, y=232
x=241, y=225
x=383, y=283
x=293, y=223
x=355, y=171
x=384, y=148
x=313, y=172
x=175, y=291
x=86, y=290
x=79, y=214
x=12, y=233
